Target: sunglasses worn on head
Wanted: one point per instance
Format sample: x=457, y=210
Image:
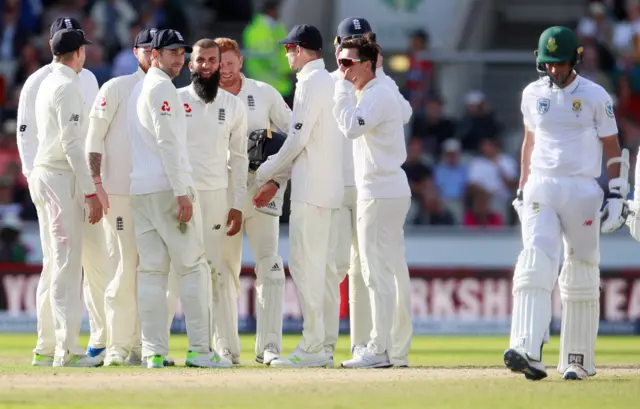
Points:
x=348, y=62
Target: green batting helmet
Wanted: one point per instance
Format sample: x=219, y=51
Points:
x=558, y=44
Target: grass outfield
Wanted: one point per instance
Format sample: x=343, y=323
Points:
x=447, y=372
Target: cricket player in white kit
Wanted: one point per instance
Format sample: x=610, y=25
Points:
x=347, y=255
x=569, y=121
x=109, y=156
x=368, y=112
x=266, y=108
x=217, y=140
x=61, y=183
x=165, y=220
x=312, y=146
x=27, y=146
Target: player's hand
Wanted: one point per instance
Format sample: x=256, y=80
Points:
x=95, y=209
x=234, y=222
x=185, y=209
x=347, y=75
x=518, y=203
x=614, y=213
x=103, y=197
x=265, y=194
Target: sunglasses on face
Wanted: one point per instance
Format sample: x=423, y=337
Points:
x=348, y=62
x=289, y=47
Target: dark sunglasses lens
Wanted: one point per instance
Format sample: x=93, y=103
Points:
x=346, y=63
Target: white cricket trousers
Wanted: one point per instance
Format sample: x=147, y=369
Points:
x=58, y=199
x=380, y=229
x=162, y=243
x=95, y=267
x=309, y=253
x=348, y=262
x=123, y=329
x=262, y=231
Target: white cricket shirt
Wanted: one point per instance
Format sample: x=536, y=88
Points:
x=349, y=177
x=568, y=124
x=61, y=120
x=111, y=106
x=159, y=157
x=312, y=151
x=215, y=132
x=27, y=132
x=373, y=118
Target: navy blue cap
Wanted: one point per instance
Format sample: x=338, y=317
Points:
x=352, y=27
x=64, y=23
x=304, y=35
x=145, y=37
x=171, y=40
x=67, y=40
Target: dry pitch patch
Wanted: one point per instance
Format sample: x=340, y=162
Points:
x=260, y=378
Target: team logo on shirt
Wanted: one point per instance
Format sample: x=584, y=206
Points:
x=165, y=108
x=543, y=105
x=74, y=118
x=360, y=121
x=608, y=108
x=221, y=115
x=298, y=126
x=23, y=128
x=188, y=110
x=251, y=102
x=576, y=105
x=101, y=103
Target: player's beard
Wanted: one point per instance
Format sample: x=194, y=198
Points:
x=206, y=88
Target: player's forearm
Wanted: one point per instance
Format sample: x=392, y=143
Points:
x=95, y=164
x=98, y=128
x=73, y=148
x=611, y=149
x=239, y=172
x=525, y=158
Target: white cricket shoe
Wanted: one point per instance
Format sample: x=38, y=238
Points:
x=575, y=373
x=42, y=360
x=271, y=352
x=114, y=359
x=519, y=362
x=302, y=359
x=207, y=360
x=400, y=363
x=78, y=361
x=368, y=359
x=168, y=361
x=226, y=354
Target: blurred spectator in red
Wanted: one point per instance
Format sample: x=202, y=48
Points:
x=495, y=174
x=452, y=178
x=478, y=123
x=432, y=126
x=481, y=214
x=590, y=69
x=12, y=249
x=419, y=77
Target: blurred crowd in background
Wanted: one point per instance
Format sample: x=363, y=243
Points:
x=458, y=171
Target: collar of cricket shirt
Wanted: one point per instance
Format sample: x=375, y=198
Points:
x=139, y=73
x=158, y=72
x=380, y=72
x=310, y=67
x=569, y=88
x=369, y=85
x=65, y=70
x=192, y=93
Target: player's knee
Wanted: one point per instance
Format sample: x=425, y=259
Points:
x=579, y=280
x=534, y=269
x=270, y=269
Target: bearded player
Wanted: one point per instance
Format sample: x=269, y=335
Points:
x=569, y=122
x=265, y=108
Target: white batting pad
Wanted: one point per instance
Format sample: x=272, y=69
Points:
x=533, y=282
x=195, y=296
x=270, y=301
x=633, y=220
x=580, y=292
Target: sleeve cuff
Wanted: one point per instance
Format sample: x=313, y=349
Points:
x=344, y=86
x=179, y=191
